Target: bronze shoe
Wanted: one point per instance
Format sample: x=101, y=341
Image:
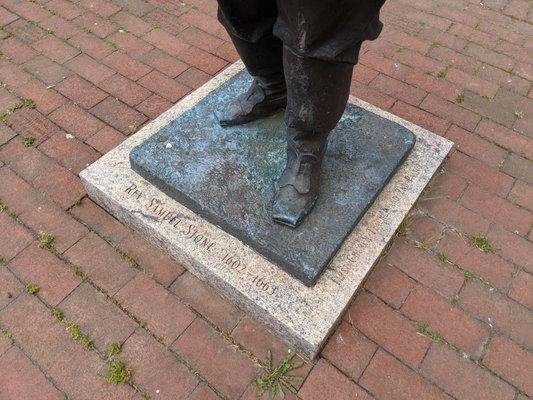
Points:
x=299, y=184
x=257, y=102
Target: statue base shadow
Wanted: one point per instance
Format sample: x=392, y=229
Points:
x=203, y=194
x=228, y=176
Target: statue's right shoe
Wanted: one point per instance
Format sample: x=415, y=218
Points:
x=259, y=101
x=299, y=184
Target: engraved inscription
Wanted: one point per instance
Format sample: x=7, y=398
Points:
x=229, y=261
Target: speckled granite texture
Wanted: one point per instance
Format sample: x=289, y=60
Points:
x=301, y=315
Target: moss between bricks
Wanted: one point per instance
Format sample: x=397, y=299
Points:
x=404, y=225
x=75, y=201
x=73, y=329
x=114, y=348
x=28, y=141
x=442, y=257
x=46, y=241
x=32, y=288
x=423, y=329
x=469, y=276
x=22, y=103
x=116, y=369
x=482, y=243
x=117, y=372
x=6, y=332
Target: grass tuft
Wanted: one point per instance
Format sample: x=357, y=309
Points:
x=455, y=299
x=75, y=201
x=114, y=348
x=422, y=245
x=46, y=241
x=56, y=312
x=77, y=334
x=423, y=329
x=28, y=141
x=6, y=332
x=404, y=225
x=275, y=381
x=469, y=276
x=460, y=98
x=442, y=257
x=482, y=243
x=26, y=103
x=117, y=372
x=32, y=288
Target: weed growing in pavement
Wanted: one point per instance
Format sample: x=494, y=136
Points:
x=460, y=98
x=482, y=243
x=28, y=141
x=404, y=225
x=56, y=312
x=6, y=332
x=442, y=257
x=133, y=129
x=483, y=280
x=455, y=299
x=459, y=351
x=519, y=114
x=275, y=381
x=128, y=257
x=112, y=44
x=73, y=329
x=469, y=276
x=32, y=288
x=114, y=348
x=75, y=201
x=46, y=241
x=423, y=245
x=423, y=329
x=77, y=334
x=117, y=372
x=4, y=34
x=442, y=74
x=22, y=103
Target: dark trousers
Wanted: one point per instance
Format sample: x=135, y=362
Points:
x=311, y=44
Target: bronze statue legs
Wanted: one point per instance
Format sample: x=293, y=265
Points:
x=312, y=112
x=307, y=72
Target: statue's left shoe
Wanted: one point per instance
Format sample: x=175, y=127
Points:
x=265, y=97
x=299, y=184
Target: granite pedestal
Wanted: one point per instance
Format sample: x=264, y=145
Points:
x=303, y=316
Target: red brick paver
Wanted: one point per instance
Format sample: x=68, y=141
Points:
x=438, y=318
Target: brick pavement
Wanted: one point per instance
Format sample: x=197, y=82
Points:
x=439, y=318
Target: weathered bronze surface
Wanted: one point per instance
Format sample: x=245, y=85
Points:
x=301, y=55
x=229, y=175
